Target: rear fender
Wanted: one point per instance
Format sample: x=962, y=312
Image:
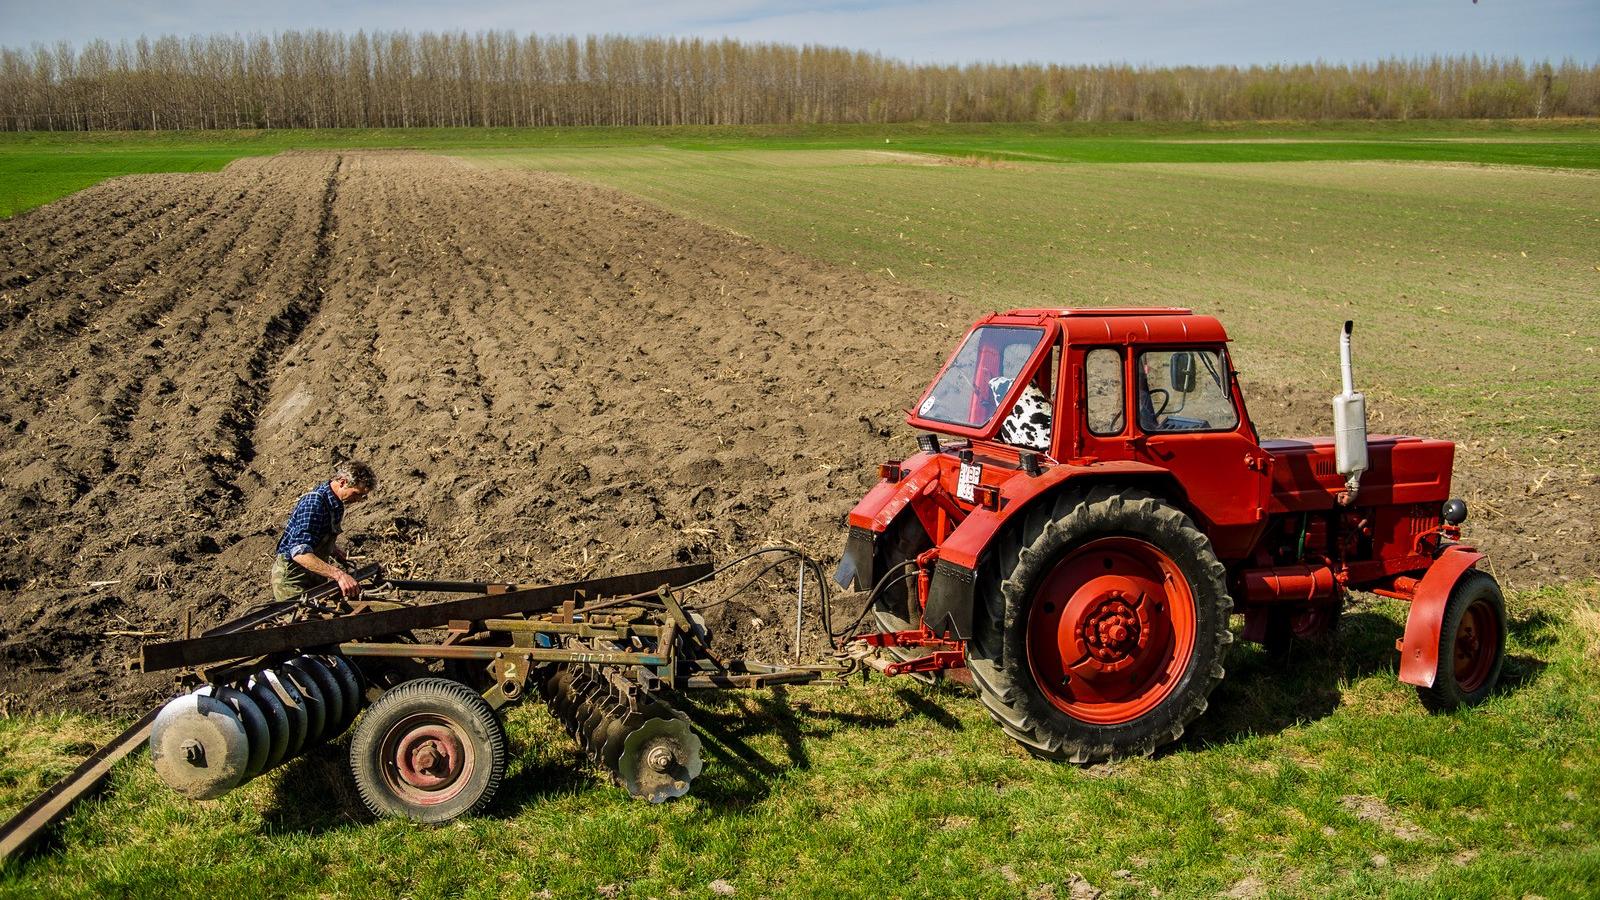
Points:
x=951, y=596
x=1419, y=649
x=885, y=503
x=967, y=543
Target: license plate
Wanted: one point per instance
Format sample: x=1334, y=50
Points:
x=967, y=482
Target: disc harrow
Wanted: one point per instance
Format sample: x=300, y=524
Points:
x=421, y=686
x=646, y=746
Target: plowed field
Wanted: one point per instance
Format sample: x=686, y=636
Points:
x=552, y=380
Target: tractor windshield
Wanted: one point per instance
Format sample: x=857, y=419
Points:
x=977, y=378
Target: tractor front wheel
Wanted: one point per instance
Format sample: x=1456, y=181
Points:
x=1105, y=628
x=1472, y=644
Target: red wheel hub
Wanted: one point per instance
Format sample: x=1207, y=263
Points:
x=425, y=759
x=1477, y=643
x=1111, y=630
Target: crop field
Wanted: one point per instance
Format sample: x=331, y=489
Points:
x=578, y=352
x=38, y=167
x=1452, y=272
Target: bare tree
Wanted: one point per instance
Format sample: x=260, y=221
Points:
x=321, y=79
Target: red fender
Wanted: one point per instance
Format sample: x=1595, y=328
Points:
x=885, y=501
x=966, y=544
x=1419, y=649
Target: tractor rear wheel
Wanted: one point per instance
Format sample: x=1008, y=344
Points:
x=1103, y=627
x=1472, y=644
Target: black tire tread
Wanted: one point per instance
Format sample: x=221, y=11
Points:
x=1025, y=552
x=450, y=698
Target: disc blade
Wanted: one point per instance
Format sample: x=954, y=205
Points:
x=199, y=747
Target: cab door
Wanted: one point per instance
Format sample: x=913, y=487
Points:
x=1188, y=418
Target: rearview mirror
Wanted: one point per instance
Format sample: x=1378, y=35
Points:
x=1180, y=372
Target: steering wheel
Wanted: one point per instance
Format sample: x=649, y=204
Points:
x=1166, y=398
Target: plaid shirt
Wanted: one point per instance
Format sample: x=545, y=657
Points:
x=317, y=514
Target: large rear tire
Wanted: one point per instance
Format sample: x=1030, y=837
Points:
x=1102, y=626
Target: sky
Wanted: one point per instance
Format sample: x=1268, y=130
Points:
x=1155, y=32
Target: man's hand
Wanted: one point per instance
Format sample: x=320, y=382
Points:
x=348, y=586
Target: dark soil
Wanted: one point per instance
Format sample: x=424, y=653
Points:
x=552, y=380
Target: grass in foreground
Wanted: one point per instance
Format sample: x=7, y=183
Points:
x=1325, y=778
x=37, y=167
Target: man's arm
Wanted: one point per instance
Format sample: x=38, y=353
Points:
x=348, y=586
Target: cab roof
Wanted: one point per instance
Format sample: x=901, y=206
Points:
x=1123, y=324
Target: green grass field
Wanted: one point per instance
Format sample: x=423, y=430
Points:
x=37, y=167
x=1322, y=779
x=1468, y=254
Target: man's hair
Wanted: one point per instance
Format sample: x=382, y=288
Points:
x=356, y=474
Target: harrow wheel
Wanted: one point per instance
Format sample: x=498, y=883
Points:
x=429, y=750
x=1105, y=629
x=1472, y=645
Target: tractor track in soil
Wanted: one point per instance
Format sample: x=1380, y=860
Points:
x=553, y=380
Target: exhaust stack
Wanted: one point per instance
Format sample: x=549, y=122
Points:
x=1349, y=425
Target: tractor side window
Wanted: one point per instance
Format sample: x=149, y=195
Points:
x=1102, y=372
x=1185, y=390
x=979, y=376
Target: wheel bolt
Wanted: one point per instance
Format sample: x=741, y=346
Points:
x=660, y=759
x=426, y=757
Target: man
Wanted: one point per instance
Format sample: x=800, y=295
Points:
x=309, y=553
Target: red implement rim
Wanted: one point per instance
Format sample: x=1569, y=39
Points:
x=1477, y=642
x=1111, y=630
x=427, y=759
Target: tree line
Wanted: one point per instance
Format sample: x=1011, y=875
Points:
x=329, y=79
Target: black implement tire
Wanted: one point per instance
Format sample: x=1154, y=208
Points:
x=1472, y=644
x=429, y=750
x=1079, y=557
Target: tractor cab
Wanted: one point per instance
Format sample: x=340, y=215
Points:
x=1075, y=384
x=1135, y=393
x=1150, y=392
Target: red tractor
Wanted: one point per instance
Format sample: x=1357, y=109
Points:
x=1090, y=505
